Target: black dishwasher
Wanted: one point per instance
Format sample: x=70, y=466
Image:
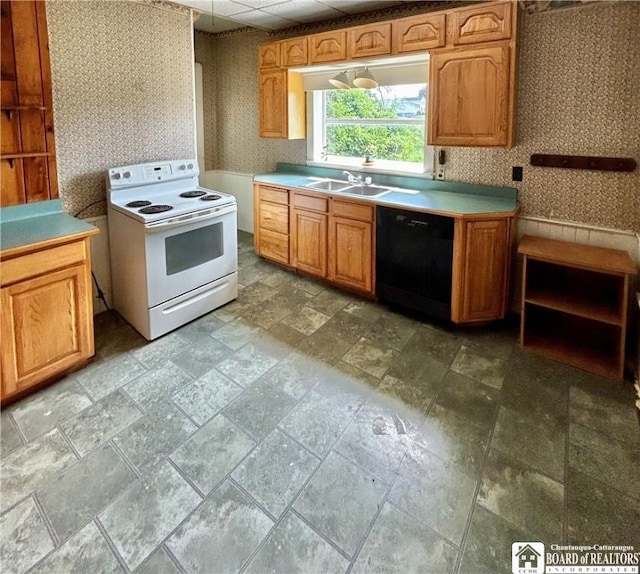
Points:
x=414, y=256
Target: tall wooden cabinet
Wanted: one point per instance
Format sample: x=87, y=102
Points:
x=282, y=111
x=27, y=158
x=47, y=312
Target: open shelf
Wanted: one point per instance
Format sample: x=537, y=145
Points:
x=577, y=341
x=575, y=302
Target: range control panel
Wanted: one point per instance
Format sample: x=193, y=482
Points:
x=145, y=173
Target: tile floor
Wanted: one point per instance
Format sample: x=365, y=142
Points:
x=300, y=429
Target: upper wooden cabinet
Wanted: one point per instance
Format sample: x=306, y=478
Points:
x=270, y=55
x=418, y=33
x=486, y=23
x=28, y=161
x=471, y=97
x=367, y=41
x=282, y=105
x=328, y=47
x=295, y=52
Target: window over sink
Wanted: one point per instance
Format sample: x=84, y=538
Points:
x=383, y=128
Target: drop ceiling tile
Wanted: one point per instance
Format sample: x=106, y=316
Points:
x=260, y=3
x=357, y=6
x=261, y=19
x=218, y=7
x=303, y=11
x=215, y=24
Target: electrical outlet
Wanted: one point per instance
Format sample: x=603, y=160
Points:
x=516, y=173
x=440, y=172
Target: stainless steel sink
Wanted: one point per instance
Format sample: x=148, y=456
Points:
x=367, y=190
x=329, y=185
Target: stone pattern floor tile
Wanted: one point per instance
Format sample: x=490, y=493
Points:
x=30, y=541
x=30, y=466
x=259, y=409
x=275, y=471
x=100, y=422
x=399, y=543
x=224, y=531
x=212, y=452
x=88, y=486
x=295, y=548
x=148, y=512
x=380, y=441
x=42, y=411
x=86, y=551
x=340, y=501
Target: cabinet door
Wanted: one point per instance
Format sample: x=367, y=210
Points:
x=309, y=242
x=351, y=253
x=418, y=33
x=372, y=40
x=273, y=104
x=486, y=23
x=470, y=97
x=484, y=259
x=295, y=52
x=328, y=47
x=269, y=55
x=46, y=327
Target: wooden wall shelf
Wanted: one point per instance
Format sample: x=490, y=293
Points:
x=575, y=303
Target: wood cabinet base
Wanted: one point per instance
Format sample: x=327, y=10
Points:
x=47, y=315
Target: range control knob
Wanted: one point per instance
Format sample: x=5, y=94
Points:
x=190, y=166
x=116, y=175
x=183, y=167
x=126, y=174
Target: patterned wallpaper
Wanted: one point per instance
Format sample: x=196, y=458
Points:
x=122, y=80
x=578, y=94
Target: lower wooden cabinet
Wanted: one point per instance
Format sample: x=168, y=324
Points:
x=482, y=254
x=47, y=314
x=334, y=238
x=309, y=242
x=351, y=245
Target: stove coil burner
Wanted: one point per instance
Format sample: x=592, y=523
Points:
x=210, y=197
x=138, y=203
x=192, y=194
x=155, y=209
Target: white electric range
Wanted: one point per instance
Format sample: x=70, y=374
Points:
x=173, y=245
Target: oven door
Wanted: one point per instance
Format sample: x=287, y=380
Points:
x=187, y=252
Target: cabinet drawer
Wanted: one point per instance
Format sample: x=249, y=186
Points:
x=310, y=202
x=41, y=262
x=351, y=210
x=274, y=195
x=274, y=217
x=274, y=246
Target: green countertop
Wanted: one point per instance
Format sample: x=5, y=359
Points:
x=23, y=225
x=436, y=196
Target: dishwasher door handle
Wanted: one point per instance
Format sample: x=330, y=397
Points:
x=414, y=222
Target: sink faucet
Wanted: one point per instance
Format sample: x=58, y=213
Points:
x=357, y=179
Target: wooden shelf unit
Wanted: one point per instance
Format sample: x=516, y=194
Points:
x=575, y=303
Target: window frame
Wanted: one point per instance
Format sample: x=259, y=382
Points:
x=316, y=122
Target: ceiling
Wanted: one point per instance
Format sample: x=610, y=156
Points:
x=222, y=15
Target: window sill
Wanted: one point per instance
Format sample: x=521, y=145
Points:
x=379, y=166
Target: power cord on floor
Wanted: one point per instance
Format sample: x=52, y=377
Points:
x=100, y=294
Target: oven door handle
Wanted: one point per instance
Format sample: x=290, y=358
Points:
x=184, y=220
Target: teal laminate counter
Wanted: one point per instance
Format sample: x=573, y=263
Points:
x=22, y=226
x=456, y=199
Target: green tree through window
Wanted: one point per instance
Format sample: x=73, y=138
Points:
x=386, y=122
